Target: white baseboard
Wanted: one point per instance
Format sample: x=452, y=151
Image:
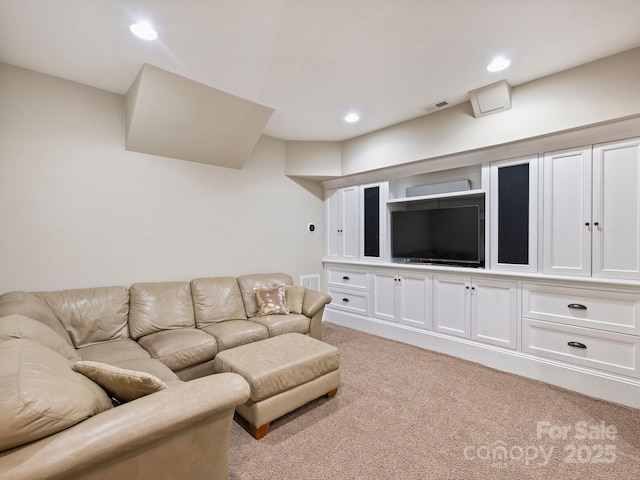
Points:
x=606, y=386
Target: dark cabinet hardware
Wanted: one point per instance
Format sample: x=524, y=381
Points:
x=577, y=306
x=577, y=344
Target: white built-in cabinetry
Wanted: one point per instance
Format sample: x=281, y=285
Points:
x=589, y=327
x=403, y=297
x=343, y=227
x=478, y=308
x=591, y=219
x=355, y=218
x=559, y=297
x=349, y=289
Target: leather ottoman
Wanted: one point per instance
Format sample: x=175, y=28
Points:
x=284, y=373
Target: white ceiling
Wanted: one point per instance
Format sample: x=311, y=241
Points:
x=313, y=61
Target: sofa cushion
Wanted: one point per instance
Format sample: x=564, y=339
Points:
x=40, y=394
x=294, y=295
x=29, y=305
x=271, y=301
x=122, y=384
x=249, y=283
x=113, y=352
x=159, y=306
x=19, y=326
x=181, y=348
x=216, y=300
x=232, y=333
x=91, y=315
x=281, y=324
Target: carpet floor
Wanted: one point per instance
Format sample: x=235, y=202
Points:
x=402, y=412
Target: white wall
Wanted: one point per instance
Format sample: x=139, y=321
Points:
x=77, y=210
x=314, y=159
x=600, y=91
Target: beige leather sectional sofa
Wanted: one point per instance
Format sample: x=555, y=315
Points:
x=59, y=423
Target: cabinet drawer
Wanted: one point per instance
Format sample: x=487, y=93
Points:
x=612, y=352
x=348, y=278
x=355, y=302
x=601, y=309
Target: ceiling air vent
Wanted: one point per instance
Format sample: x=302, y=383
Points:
x=436, y=106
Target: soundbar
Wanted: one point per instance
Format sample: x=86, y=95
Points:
x=436, y=188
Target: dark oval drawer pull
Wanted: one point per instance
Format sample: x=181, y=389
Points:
x=345, y=278
x=345, y=300
x=577, y=344
x=577, y=306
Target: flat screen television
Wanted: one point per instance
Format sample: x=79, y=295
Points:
x=451, y=235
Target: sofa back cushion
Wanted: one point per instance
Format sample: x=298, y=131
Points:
x=295, y=297
x=249, y=283
x=27, y=304
x=40, y=394
x=19, y=326
x=159, y=306
x=216, y=299
x=91, y=315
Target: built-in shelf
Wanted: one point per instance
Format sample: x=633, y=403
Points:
x=464, y=193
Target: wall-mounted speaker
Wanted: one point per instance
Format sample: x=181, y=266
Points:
x=491, y=99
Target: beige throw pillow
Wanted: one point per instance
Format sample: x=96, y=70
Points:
x=271, y=301
x=123, y=385
x=295, y=296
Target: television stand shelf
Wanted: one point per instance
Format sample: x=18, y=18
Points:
x=464, y=193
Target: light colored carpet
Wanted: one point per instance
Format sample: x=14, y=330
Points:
x=406, y=413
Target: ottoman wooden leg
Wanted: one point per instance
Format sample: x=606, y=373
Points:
x=332, y=393
x=259, y=432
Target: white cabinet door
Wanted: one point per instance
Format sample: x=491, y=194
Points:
x=567, y=212
x=451, y=306
x=402, y=297
x=333, y=206
x=484, y=310
x=384, y=295
x=616, y=209
x=414, y=300
x=591, y=219
x=494, y=312
x=343, y=223
x=350, y=223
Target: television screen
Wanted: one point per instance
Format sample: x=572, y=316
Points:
x=450, y=235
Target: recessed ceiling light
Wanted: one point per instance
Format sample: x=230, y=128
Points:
x=144, y=30
x=351, y=117
x=498, y=63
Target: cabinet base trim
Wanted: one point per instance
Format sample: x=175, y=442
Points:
x=613, y=388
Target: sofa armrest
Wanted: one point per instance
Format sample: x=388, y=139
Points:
x=313, y=301
x=313, y=307
x=179, y=432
